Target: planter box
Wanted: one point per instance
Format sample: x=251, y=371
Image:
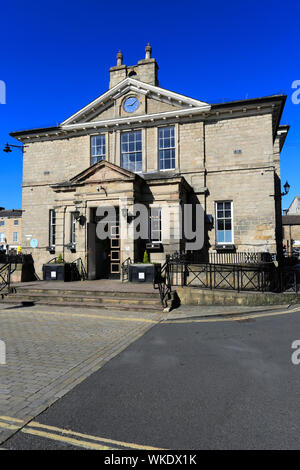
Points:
x=143, y=272
x=57, y=272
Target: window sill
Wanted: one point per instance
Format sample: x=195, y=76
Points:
x=225, y=247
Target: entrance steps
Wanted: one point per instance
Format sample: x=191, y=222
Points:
x=116, y=300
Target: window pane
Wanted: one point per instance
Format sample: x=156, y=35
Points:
x=97, y=148
x=166, y=146
x=228, y=236
x=131, y=151
x=220, y=224
x=228, y=224
x=220, y=236
x=224, y=222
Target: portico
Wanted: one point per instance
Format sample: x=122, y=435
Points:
x=102, y=198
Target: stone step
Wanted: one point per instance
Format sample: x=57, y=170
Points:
x=88, y=293
x=46, y=296
x=106, y=306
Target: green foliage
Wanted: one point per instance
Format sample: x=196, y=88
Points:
x=59, y=259
x=146, y=258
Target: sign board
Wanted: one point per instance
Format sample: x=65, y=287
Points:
x=53, y=274
x=142, y=276
x=33, y=243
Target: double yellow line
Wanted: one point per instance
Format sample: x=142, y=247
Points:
x=67, y=436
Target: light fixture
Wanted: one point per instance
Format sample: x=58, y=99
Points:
x=7, y=148
x=286, y=189
x=76, y=214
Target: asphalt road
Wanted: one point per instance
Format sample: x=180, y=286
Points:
x=207, y=385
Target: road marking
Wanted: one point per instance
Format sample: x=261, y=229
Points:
x=9, y=426
x=59, y=434
x=67, y=440
x=84, y=315
x=235, y=317
x=14, y=420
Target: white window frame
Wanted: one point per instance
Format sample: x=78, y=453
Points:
x=98, y=155
x=130, y=152
x=15, y=237
x=52, y=234
x=162, y=149
x=218, y=243
x=160, y=223
x=2, y=237
x=16, y=222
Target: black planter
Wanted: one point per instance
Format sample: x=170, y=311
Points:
x=143, y=272
x=57, y=272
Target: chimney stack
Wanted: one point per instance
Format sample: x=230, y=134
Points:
x=148, y=50
x=119, y=59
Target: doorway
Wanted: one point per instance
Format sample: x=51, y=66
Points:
x=104, y=255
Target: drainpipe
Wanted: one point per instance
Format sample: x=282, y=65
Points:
x=64, y=229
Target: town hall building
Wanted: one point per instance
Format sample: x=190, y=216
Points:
x=141, y=143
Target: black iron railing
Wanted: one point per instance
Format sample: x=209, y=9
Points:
x=224, y=258
x=163, y=284
x=125, y=269
x=6, y=271
x=78, y=270
x=262, y=277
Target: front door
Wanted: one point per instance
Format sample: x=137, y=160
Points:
x=115, y=253
x=107, y=251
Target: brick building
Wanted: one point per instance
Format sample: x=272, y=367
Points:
x=10, y=228
x=150, y=145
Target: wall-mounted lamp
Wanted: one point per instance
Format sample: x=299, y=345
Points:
x=76, y=214
x=101, y=188
x=7, y=148
x=286, y=189
x=79, y=218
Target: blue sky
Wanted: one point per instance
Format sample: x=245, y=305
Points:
x=55, y=58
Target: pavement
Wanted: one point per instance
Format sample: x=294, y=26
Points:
x=200, y=377
x=50, y=350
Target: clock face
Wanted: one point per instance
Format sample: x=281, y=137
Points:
x=131, y=104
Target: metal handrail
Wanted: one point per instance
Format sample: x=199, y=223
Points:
x=5, y=276
x=163, y=284
x=81, y=269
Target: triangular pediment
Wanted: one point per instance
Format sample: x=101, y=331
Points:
x=103, y=107
x=101, y=172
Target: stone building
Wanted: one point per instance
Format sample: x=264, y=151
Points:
x=294, y=208
x=291, y=232
x=10, y=228
x=149, y=145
